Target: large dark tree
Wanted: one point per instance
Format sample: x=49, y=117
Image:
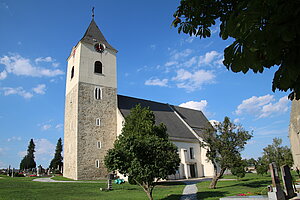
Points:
x=265, y=33
x=224, y=143
x=56, y=162
x=143, y=152
x=28, y=160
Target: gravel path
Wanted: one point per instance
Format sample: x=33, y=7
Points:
x=190, y=191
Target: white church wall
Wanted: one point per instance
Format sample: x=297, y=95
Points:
x=73, y=61
x=186, y=160
x=208, y=167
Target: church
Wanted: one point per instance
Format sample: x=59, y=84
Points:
x=94, y=114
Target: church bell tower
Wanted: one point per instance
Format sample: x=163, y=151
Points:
x=90, y=126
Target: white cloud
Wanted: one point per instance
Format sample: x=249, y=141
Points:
x=40, y=89
x=3, y=75
x=170, y=63
x=190, y=62
x=192, y=81
x=45, y=59
x=20, y=66
x=59, y=126
x=157, y=82
x=196, y=105
x=214, y=123
x=18, y=91
x=55, y=64
x=279, y=107
x=262, y=106
x=175, y=55
x=43, y=147
x=211, y=58
x=14, y=138
x=46, y=127
x=236, y=120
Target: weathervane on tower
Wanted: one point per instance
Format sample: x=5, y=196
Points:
x=93, y=14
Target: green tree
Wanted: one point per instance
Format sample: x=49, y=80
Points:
x=265, y=34
x=261, y=166
x=281, y=155
x=224, y=143
x=143, y=151
x=56, y=162
x=251, y=162
x=28, y=161
x=238, y=168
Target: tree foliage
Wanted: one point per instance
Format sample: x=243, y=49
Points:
x=281, y=155
x=224, y=143
x=262, y=166
x=28, y=161
x=266, y=33
x=238, y=168
x=56, y=162
x=143, y=151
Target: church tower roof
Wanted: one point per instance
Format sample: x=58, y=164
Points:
x=93, y=35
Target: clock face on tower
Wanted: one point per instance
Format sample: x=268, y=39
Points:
x=99, y=47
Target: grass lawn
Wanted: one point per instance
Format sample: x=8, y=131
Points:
x=26, y=189
x=253, y=183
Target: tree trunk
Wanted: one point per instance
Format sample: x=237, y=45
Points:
x=216, y=178
x=149, y=194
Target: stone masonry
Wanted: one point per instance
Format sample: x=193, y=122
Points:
x=89, y=134
x=294, y=132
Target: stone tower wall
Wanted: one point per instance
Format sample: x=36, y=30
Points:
x=70, y=134
x=294, y=132
x=89, y=109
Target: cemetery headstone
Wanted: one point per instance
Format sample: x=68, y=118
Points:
x=109, y=182
x=277, y=193
x=8, y=170
x=39, y=170
x=287, y=181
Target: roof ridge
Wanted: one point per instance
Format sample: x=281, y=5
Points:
x=144, y=99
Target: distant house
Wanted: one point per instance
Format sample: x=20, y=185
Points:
x=94, y=114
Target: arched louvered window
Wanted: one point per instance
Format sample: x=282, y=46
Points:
x=98, y=93
x=72, y=72
x=98, y=67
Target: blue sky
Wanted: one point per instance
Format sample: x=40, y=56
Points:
x=154, y=62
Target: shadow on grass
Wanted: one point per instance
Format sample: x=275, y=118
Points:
x=170, y=183
x=252, y=184
x=210, y=194
x=172, y=197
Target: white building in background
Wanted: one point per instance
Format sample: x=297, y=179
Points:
x=94, y=114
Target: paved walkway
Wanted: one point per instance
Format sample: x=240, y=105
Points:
x=51, y=180
x=190, y=190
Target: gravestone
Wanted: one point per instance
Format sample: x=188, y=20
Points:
x=8, y=170
x=109, y=182
x=277, y=193
x=287, y=181
x=12, y=172
x=39, y=170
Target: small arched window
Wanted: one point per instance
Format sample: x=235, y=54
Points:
x=98, y=67
x=72, y=72
x=98, y=93
x=97, y=163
